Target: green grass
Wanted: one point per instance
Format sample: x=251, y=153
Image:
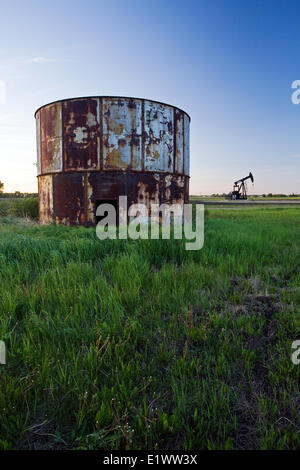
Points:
x=19, y=207
x=143, y=345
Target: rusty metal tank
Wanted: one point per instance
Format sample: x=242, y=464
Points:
x=95, y=149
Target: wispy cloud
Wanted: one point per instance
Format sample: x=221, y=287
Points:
x=295, y=156
x=44, y=60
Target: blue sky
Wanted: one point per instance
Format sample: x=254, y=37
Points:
x=229, y=64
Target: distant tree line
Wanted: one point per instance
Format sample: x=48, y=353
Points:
x=17, y=195
x=278, y=195
x=260, y=195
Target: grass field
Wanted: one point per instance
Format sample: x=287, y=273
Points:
x=143, y=345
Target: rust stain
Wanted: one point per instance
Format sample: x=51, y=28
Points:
x=114, y=158
x=90, y=149
x=45, y=199
x=121, y=133
x=38, y=142
x=51, y=138
x=69, y=198
x=179, y=120
x=159, y=137
x=186, y=168
x=81, y=131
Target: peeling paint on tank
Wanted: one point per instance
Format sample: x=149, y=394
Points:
x=179, y=120
x=148, y=193
x=38, y=142
x=45, y=199
x=159, y=139
x=51, y=138
x=122, y=133
x=177, y=189
x=100, y=148
x=186, y=145
x=81, y=134
x=116, y=152
x=167, y=185
x=91, y=203
x=168, y=180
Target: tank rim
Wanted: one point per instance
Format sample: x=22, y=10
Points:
x=114, y=170
x=110, y=96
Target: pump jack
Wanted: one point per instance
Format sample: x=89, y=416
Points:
x=240, y=189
